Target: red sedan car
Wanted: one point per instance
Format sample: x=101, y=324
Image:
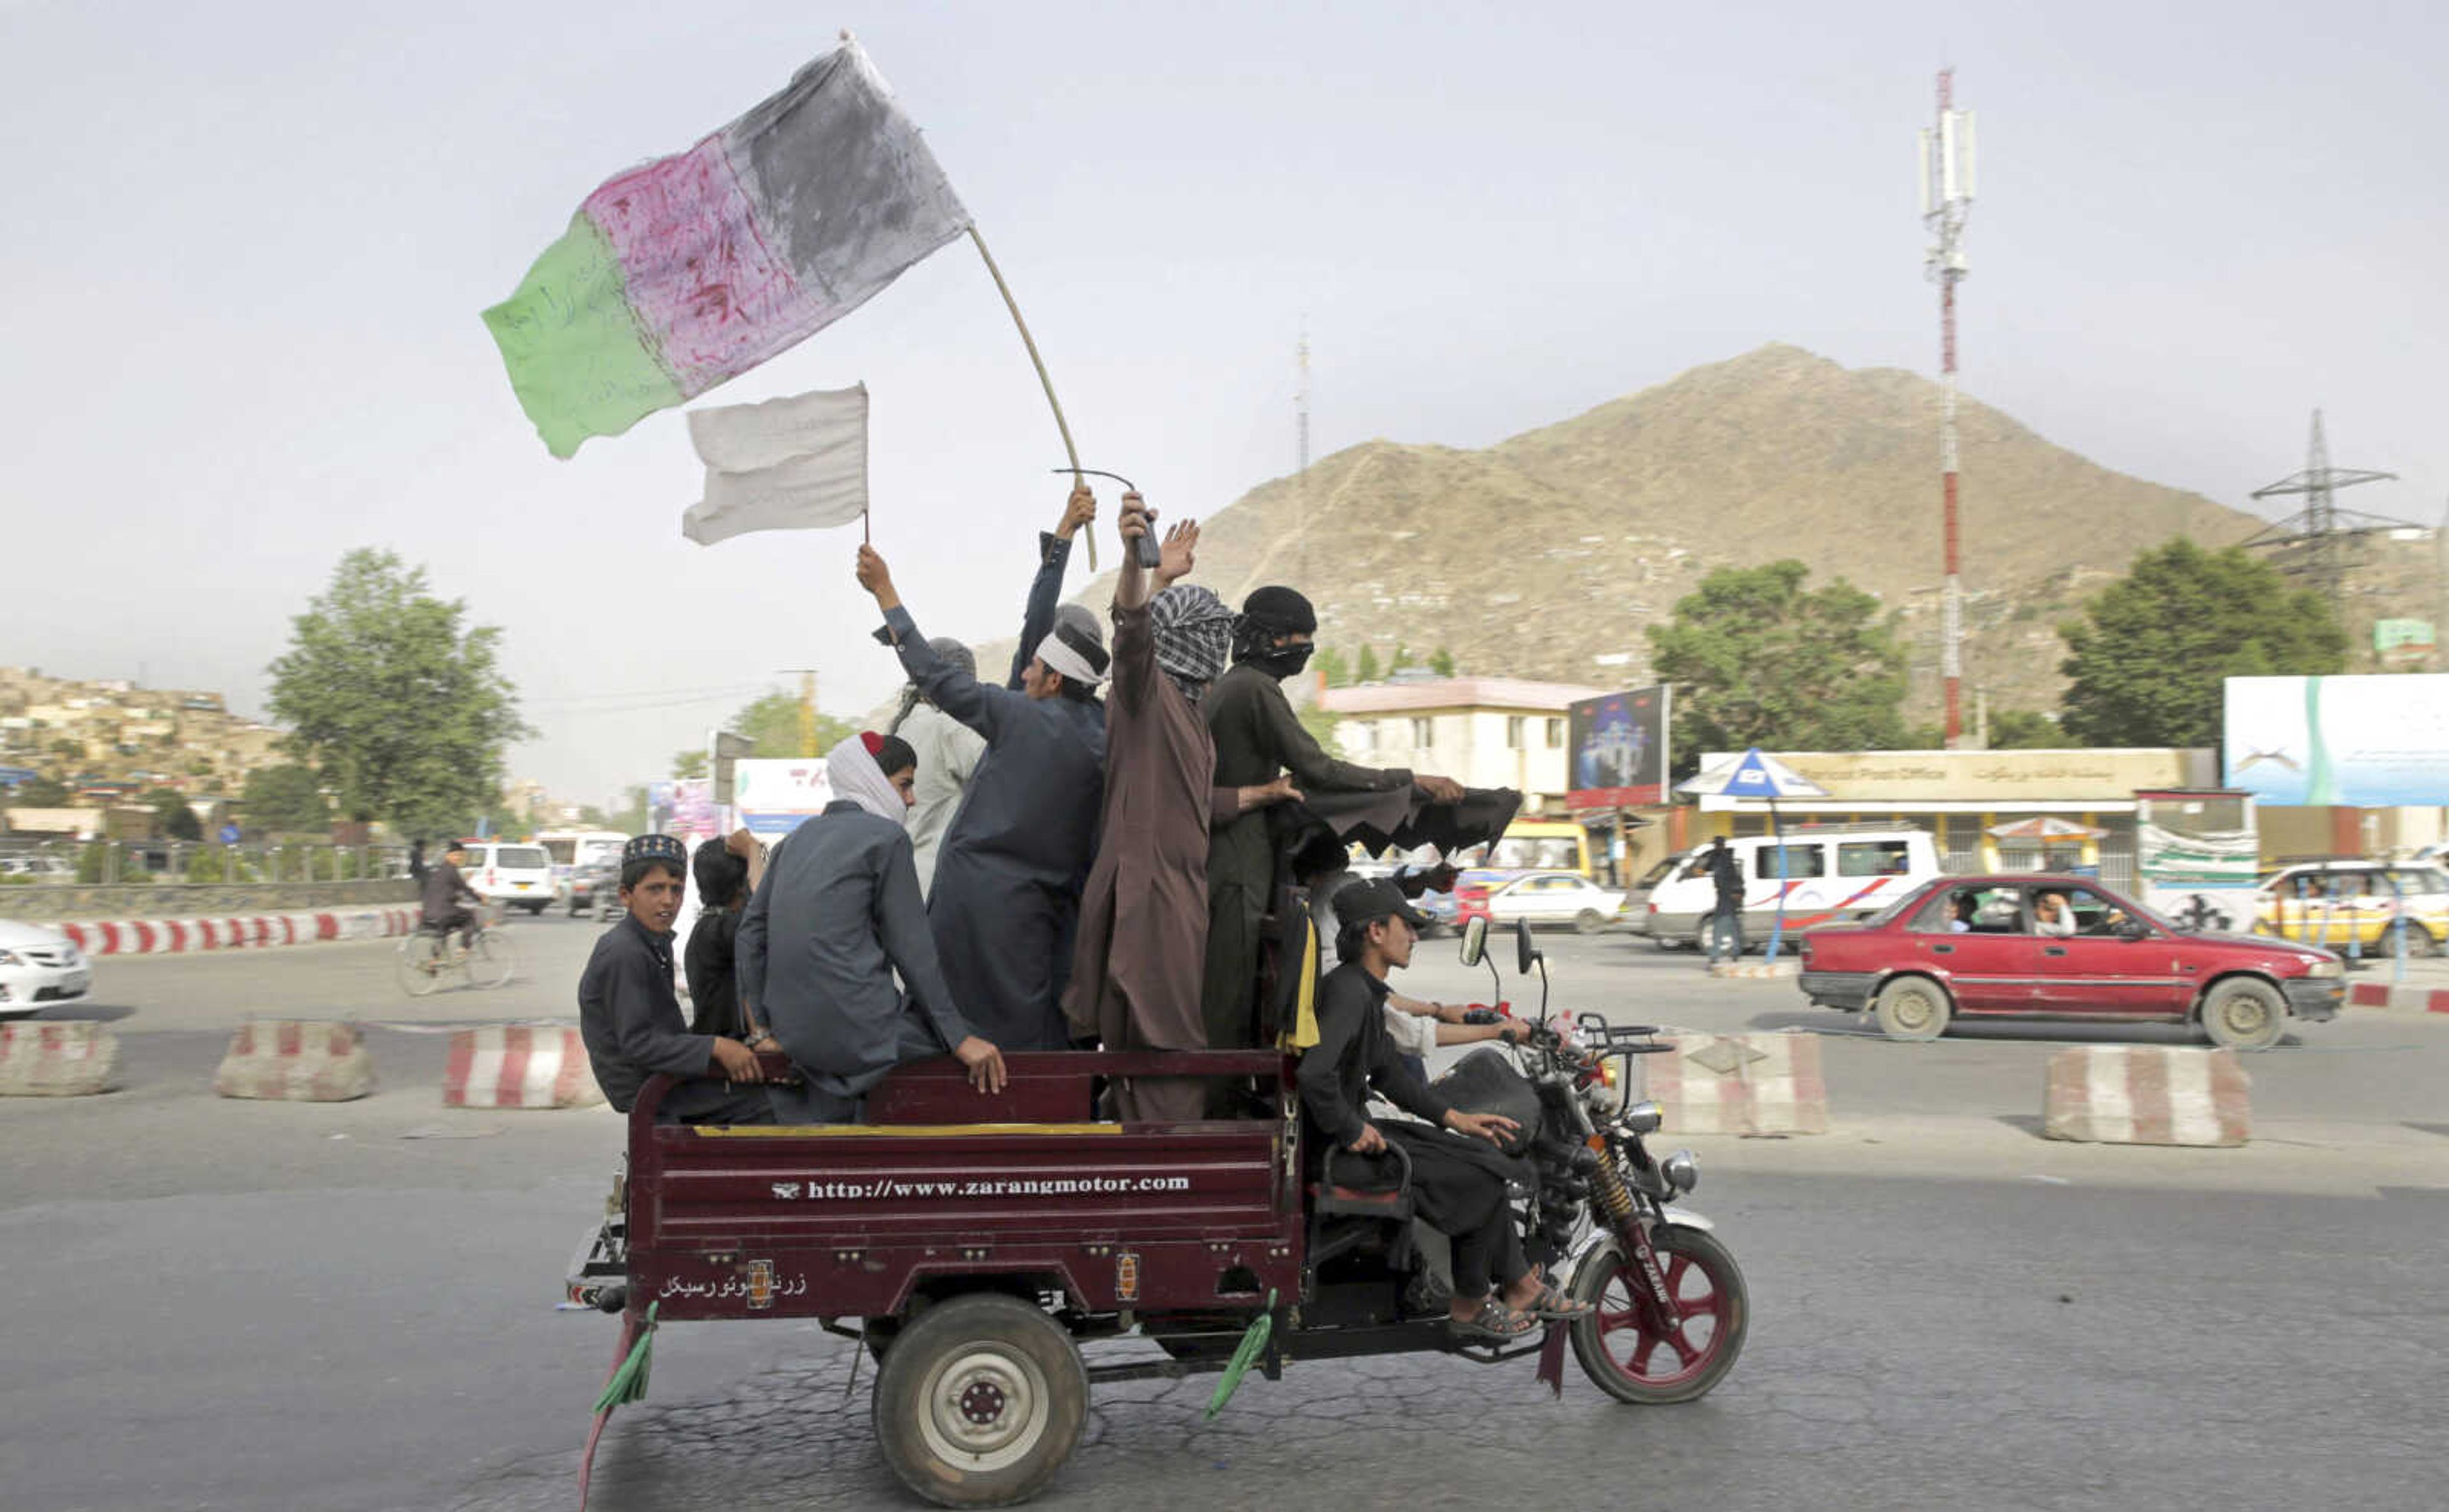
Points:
x=2028, y=946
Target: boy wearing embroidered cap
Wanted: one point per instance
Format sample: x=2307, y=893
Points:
x=630, y=1018
x=1006, y=894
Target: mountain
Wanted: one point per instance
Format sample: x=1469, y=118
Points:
x=1546, y=555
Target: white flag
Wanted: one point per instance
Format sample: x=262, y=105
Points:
x=797, y=463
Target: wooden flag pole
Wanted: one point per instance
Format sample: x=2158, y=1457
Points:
x=1070, y=451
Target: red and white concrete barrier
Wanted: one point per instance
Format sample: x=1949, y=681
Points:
x=518, y=1066
x=1751, y=1083
x=72, y=1059
x=2392, y=995
x=2140, y=1094
x=286, y=1060
x=179, y=936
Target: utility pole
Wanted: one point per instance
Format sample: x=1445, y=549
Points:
x=1946, y=202
x=807, y=709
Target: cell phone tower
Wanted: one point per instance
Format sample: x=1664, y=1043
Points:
x=1946, y=204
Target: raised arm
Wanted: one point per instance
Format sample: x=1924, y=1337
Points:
x=1046, y=589
x=958, y=694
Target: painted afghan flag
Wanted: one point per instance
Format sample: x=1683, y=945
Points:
x=693, y=269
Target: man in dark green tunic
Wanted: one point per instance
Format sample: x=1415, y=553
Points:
x=1258, y=737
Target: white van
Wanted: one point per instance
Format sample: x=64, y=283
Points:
x=511, y=875
x=1834, y=874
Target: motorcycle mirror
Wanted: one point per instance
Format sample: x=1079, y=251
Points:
x=1475, y=940
x=1524, y=953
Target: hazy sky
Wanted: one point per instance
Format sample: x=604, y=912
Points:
x=247, y=245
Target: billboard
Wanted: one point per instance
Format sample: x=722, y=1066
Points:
x=776, y=794
x=1617, y=745
x=2197, y=857
x=2366, y=742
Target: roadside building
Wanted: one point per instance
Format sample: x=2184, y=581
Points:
x=1482, y=732
x=1987, y=810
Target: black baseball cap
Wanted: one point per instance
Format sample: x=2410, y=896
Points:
x=1368, y=902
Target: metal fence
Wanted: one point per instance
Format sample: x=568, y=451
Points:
x=115, y=863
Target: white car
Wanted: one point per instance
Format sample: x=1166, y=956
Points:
x=1555, y=897
x=518, y=877
x=39, y=969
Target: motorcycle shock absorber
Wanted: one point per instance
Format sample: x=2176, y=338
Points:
x=1606, y=1184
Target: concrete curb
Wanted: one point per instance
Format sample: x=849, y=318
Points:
x=1756, y=970
x=1761, y=1084
x=518, y=1066
x=2138, y=1093
x=290, y=1060
x=256, y=932
x=74, y=1058
x=2389, y=995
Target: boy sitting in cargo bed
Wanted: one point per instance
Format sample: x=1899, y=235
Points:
x=630, y=1018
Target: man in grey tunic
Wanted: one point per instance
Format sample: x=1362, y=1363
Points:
x=836, y=914
x=948, y=753
x=1007, y=892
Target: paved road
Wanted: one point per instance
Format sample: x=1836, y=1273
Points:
x=241, y=1305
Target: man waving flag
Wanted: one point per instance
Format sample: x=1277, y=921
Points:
x=693, y=269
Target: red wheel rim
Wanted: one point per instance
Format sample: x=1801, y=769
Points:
x=1630, y=1333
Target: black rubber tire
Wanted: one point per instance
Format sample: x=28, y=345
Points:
x=2244, y=1014
x=1600, y=1280
x=2419, y=942
x=1589, y=921
x=1913, y=1008
x=1014, y=1359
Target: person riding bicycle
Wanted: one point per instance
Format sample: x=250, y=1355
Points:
x=444, y=889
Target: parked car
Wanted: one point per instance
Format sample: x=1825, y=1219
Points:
x=41, y=868
x=1973, y=948
x=2338, y=903
x=39, y=969
x=518, y=877
x=1833, y=873
x=1541, y=898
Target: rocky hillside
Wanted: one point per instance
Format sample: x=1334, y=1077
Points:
x=1545, y=555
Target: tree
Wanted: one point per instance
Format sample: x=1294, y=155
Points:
x=177, y=821
x=401, y=709
x=2148, y=659
x=687, y=764
x=1441, y=661
x=1401, y=659
x=286, y=800
x=1755, y=659
x=40, y=793
x=1367, y=670
x=2024, y=729
x=1333, y=667
x=773, y=722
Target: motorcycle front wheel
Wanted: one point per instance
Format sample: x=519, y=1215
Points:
x=1622, y=1346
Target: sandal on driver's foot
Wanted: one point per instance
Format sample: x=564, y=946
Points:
x=1492, y=1322
x=1552, y=1306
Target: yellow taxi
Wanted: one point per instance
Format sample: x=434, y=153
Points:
x=2343, y=904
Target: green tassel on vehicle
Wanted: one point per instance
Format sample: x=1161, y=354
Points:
x=1254, y=1339
x=628, y=1383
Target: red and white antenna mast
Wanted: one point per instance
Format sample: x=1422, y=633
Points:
x=1946, y=202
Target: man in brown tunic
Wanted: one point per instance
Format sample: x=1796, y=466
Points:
x=1135, y=969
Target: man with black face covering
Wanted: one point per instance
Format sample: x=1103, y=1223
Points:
x=1258, y=738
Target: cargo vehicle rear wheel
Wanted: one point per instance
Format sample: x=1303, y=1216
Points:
x=1913, y=1008
x=2242, y=1014
x=979, y=1401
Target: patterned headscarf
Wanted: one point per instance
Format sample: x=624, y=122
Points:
x=1194, y=636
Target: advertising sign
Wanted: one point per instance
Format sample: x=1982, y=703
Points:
x=2367, y=742
x=682, y=808
x=1618, y=745
x=775, y=794
x=2197, y=857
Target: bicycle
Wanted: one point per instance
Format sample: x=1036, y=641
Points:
x=425, y=958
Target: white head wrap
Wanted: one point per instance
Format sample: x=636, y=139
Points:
x=1075, y=648
x=854, y=774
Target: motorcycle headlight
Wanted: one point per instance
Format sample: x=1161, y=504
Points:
x=1644, y=1118
x=1682, y=1170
